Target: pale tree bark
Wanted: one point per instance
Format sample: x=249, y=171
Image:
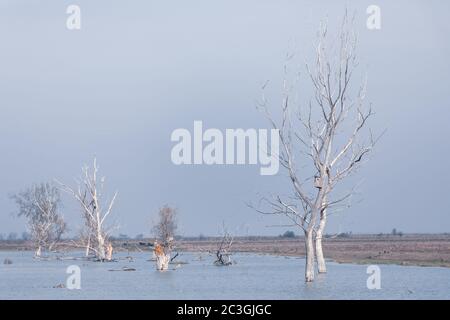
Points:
x=164, y=231
x=318, y=150
x=344, y=117
x=162, y=260
x=109, y=251
x=223, y=252
x=89, y=194
x=88, y=246
x=38, y=251
x=321, y=266
x=309, y=263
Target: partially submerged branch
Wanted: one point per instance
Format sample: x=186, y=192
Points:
x=223, y=252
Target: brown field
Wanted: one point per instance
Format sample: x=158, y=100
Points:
x=419, y=250
x=410, y=249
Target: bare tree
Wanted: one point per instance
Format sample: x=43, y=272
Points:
x=223, y=252
x=326, y=136
x=39, y=204
x=89, y=194
x=164, y=230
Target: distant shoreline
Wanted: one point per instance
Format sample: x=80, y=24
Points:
x=428, y=250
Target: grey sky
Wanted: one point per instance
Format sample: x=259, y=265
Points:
x=138, y=70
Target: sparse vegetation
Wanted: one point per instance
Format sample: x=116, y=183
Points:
x=40, y=204
x=223, y=252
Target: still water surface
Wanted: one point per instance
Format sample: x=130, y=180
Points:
x=253, y=277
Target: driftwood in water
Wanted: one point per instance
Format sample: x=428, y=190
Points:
x=173, y=258
x=123, y=269
x=223, y=259
x=223, y=253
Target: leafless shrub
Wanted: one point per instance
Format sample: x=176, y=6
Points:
x=164, y=230
x=223, y=252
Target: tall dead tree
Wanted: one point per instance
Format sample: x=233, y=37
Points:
x=39, y=205
x=89, y=194
x=164, y=230
x=323, y=143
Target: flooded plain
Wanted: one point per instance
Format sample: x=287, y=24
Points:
x=254, y=276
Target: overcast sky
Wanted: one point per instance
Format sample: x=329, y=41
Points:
x=137, y=70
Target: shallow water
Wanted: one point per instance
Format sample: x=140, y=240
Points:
x=253, y=277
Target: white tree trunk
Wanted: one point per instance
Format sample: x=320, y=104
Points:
x=309, y=264
x=88, y=247
x=109, y=252
x=319, y=251
x=38, y=251
x=101, y=253
x=162, y=262
x=321, y=266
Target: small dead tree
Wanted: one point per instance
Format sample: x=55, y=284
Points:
x=164, y=230
x=324, y=140
x=223, y=252
x=39, y=204
x=89, y=194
